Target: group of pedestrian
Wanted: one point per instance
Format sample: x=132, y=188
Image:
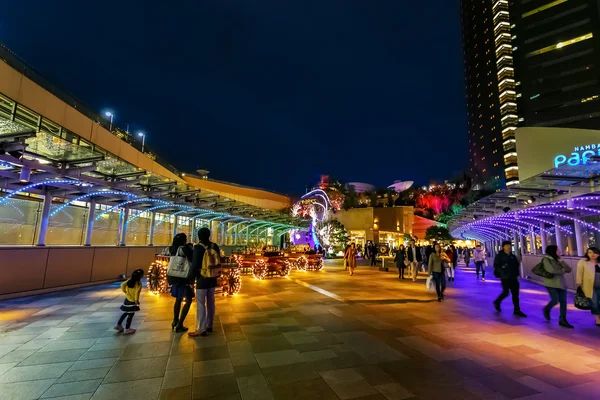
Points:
x=183, y=289
x=507, y=268
x=410, y=258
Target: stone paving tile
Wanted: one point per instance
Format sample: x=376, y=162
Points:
x=83, y=375
x=134, y=370
x=254, y=387
x=212, y=367
x=138, y=389
x=51, y=357
x=277, y=358
x=25, y=390
x=218, y=386
x=177, y=378
x=34, y=372
x=72, y=388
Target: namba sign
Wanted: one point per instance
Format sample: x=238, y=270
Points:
x=541, y=149
x=580, y=155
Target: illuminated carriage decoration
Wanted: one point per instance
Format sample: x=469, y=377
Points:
x=230, y=280
x=273, y=264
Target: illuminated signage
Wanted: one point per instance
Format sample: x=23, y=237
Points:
x=580, y=156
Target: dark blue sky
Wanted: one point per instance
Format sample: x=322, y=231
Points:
x=265, y=93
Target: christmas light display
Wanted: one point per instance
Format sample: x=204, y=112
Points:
x=230, y=281
x=301, y=263
x=286, y=268
x=157, y=275
x=260, y=269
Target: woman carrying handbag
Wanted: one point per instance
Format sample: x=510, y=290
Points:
x=588, y=281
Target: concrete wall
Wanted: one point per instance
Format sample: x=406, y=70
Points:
x=26, y=270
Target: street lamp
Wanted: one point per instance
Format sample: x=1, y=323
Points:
x=143, y=135
x=111, y=116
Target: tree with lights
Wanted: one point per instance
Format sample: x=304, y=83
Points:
x=332, y=234
x=438, y=233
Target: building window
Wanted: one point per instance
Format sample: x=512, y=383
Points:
x=542, y=8
x=560, y=45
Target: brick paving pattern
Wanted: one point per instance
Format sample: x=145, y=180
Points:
x=316, y=335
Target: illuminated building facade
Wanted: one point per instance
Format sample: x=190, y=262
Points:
x=527, y=63
x=557, y=58
x=484, y=36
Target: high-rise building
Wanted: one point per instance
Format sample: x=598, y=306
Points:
x=490, y=91
x=534, y=62
x=556, y=48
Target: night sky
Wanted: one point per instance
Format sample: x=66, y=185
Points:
x=267, y=93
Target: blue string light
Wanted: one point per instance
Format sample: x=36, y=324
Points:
x=105, y=192
x=34, y=185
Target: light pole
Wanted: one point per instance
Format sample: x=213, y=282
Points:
x=143, y=135
x=111, y=116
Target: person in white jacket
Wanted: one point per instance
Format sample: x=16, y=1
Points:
x=588, y=277
x=479, y=257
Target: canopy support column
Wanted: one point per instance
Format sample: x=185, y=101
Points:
x=124, y=223
x=41, y=239
x=90, y=222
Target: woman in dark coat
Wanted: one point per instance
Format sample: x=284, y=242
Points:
x=181, y=288
x=400, y=258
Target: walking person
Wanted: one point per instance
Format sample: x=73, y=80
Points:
x=181, y=287
x=437, y=259
x=373, y=255
x=132, y=289
x=346, y=258
x=400, y=259
x=556, y=286
x=467, y=256
x=413, y=253
x=423, y=258
x=205, y=287
x=479, y=257
x=507, y=268
x=352, y=258
x=588, y=278
x=450, y=264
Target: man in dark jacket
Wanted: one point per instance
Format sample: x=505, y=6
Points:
x=507, y=268
x=205, y=287
x=414, y=258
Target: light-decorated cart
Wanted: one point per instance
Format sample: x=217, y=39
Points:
x=276, y=263
x=230, y=281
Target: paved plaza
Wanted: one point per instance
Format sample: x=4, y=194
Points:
x=316, y=335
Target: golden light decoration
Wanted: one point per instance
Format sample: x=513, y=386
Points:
x=302, y=263
x=260, y=269
x=157, y=276
x=286, y=268
x=235, y=281
x=318, y=265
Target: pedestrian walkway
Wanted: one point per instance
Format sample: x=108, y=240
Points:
x=316, y=335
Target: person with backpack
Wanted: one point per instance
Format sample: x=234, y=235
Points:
x=132, y=288
x=206, y=264
x=556, y=284
x=507, y=268
x=180, y=277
